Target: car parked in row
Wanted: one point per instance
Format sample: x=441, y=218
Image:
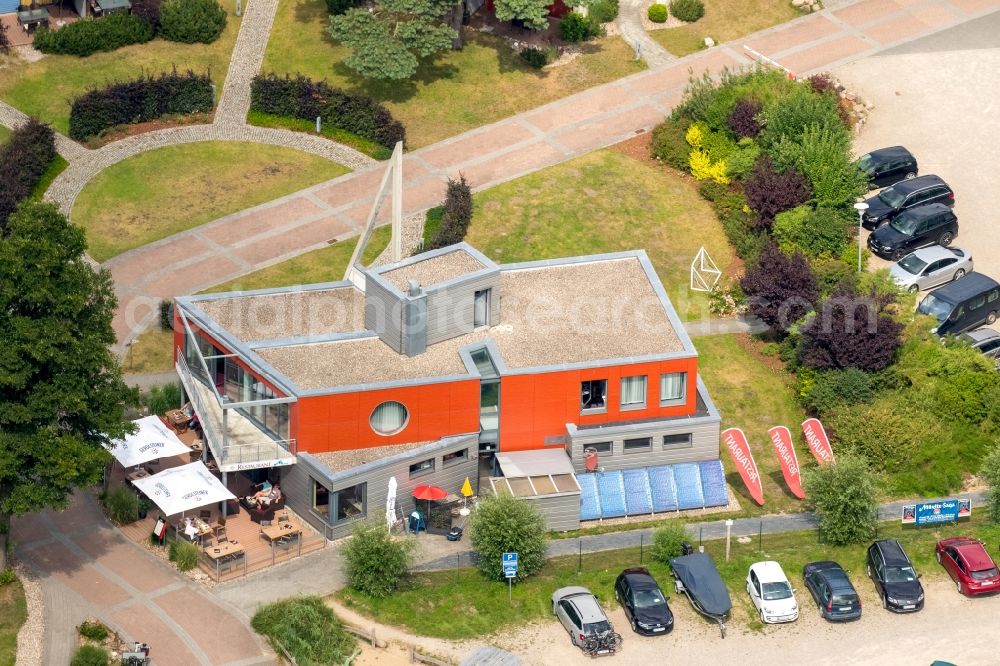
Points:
x=771, y=593
x=931, y=266
x=644, y=603
x=986, y=340
x=963, y=305
x=887, y=166
x=903, y=196
x=832, y=590
x=912, y=229
x=580, y=614
x=895, y=579
x=969, y=565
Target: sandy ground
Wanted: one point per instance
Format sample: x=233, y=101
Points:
x=938, y=97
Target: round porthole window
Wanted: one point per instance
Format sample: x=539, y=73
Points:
x=389, y=418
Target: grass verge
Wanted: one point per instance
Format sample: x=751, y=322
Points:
x=165, y=191
x=46, y=88
x=13, y=613
x=753, y=392
x=359, y=143
x=150, y=353
x=460, y=604
x=324, y=265
x=604, y=201
x=459, y=90
x=56, y=167
x=432, y=223
x=724, y=21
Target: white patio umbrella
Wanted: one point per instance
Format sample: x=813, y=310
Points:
x=390, y=503
x=183, y=488
x=152, y=440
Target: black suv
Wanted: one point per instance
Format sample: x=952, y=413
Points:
x=924, y=225
x=887, y=166
x=894, y=577
x=644, y=603
x=832, y=589
x=905, y=195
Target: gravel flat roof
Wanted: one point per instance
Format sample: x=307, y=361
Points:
x=550, y=315
x=433, y=271
x=289, y=314
x=340, y=461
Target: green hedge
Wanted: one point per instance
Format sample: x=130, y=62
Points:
x=300, y=97
x=89, y=36
x=688, y=11
x=191, y=21
x=657, y=13
x=139, y=101
x=24, y=159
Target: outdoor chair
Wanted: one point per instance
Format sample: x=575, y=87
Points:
x=205, y=514
x=220, y=534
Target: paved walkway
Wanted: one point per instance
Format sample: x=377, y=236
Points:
x=88, y=569
x=629, y=22
x=595, y=118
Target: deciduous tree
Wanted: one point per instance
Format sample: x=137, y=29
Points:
x=61, y=390
x=770, y=192
x=389, y=41
x=503, y=524
x=851, y=330
x=843, y=494
x=780, y=288
x=533, y=13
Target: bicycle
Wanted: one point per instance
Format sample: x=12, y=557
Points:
x=606, y=643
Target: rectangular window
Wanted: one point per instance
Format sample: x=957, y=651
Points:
x=594, y=394
x=633, y=392
x=422, y=467
x=351, y=503
x=637, y=445
x=321, y=499
x=677, y=441
x=454, y=457
x=602, y=448
x=673, y=388
x=481, y=309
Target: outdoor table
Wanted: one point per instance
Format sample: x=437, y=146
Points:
x=276, y=530
x=202, y=527
x=30, y=17
x=113, y=7
x=224, y=550
x=137, y=474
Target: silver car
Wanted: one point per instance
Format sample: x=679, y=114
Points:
x=580, y=613
x=985, y=340
x=931, y=266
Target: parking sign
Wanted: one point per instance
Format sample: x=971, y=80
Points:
x=509, y=563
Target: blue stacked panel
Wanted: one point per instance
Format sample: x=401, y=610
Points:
x=713, y=483
x=661, y=486
x=611, y=493
x=637, y=491
x=590, y=505
x=687, y=477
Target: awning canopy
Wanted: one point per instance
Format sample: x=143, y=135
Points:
x=152, y=440
x=541, y=462
x=183, y=488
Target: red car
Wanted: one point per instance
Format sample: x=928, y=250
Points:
x=970, y=566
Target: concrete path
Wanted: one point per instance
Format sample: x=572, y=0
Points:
x=556, y=132
x=88, y=569
x=629, y=22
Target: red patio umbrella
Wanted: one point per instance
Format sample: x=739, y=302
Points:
x=429, y=493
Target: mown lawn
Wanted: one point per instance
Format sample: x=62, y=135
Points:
x=46, y=88
x=460, y=604
x=168, y=190
x=753, y=395
x=460, y=90
x=324, y=265
x=724, y=21
x=150, y=353
x=603, y=202
x=13, y=613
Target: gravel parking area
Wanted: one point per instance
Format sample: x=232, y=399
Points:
x=938, y=97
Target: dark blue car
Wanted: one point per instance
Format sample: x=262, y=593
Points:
x=832, y=589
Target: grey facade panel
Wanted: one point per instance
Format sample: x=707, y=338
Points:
x=450, y=306
x=297, y=482
x=561, y=512
x=384, y=314
x=704, y=443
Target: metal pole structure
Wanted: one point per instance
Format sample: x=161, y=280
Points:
x=225, y=504
x=397, y=203
x=760, y=536
x=510, y=591
x=861, y=208
x=729, y=533
x=640, y=548
x=579, y=561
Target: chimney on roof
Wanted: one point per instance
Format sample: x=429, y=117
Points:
x=413, y=288
x=414, y=324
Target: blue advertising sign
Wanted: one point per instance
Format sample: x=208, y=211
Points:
x=509, y=561
x=929, y=513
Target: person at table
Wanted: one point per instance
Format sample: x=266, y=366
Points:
x=265, y=495
x=190, y=529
